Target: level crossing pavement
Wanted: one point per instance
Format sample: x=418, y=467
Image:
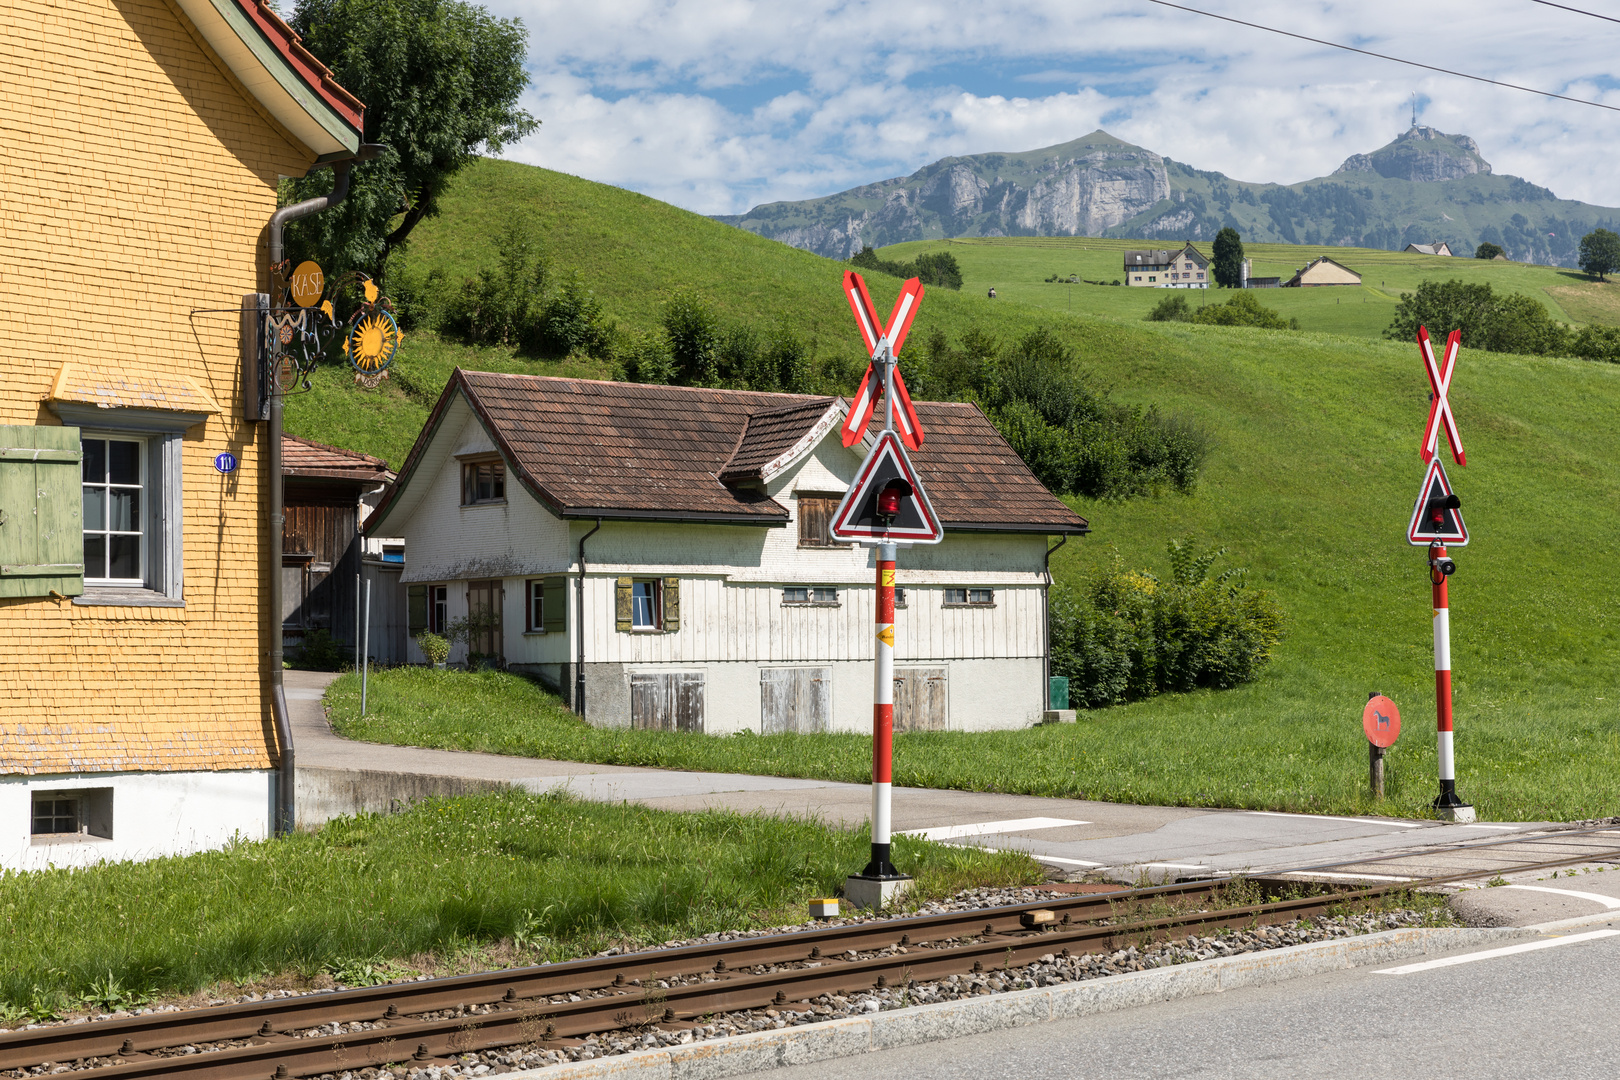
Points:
x=1109, y=841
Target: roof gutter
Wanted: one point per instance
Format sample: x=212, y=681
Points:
x=285, y=804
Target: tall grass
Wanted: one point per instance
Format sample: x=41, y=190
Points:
x=561, y=877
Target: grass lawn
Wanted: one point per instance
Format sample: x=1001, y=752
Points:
x=451, y=885
x=1017, y=267
x=1209, y=751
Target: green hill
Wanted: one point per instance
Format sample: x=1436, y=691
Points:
x=1310, y=486
x=1019, y=268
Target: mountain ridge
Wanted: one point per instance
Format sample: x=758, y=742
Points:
x=1423, y=186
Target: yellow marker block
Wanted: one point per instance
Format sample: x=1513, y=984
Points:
x=888, y=579
x=886, y=635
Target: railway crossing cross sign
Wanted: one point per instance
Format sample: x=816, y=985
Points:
x=1440, y=414
x=884, y=344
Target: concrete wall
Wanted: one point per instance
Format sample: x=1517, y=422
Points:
x=324, y=794
x=153, y=814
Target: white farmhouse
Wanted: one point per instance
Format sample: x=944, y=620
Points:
x=1180, y=268
x=660, y=556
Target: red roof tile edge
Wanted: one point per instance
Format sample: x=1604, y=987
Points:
x=315, y=74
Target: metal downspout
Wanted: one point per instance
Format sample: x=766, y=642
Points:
x=1046, y=623
x=579, y=619
x=286, y=817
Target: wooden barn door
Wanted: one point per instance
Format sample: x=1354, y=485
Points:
x=484, y=601
x=795, y=699
x=667, y=701
x=920, y=700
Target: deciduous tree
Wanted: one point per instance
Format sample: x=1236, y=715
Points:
x=1488, y=250
x=1600, y=253
x=440, y=80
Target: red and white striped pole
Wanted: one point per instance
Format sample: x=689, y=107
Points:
x=1448, y=805
x=882, y=866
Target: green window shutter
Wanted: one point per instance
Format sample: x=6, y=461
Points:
x=416, y=614
x=41, y=511
x=621, y=605
x=554, y=605
x=672, y=604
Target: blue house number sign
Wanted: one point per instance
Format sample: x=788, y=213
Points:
x=226, y=463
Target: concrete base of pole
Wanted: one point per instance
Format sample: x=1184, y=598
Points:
x=1462, y=813
x=871, y=894
x=1058, y=716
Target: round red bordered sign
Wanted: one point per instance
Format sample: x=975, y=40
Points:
x=1381, y=721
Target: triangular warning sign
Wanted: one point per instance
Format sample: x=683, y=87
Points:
x=914, y=521
x=1436, y=518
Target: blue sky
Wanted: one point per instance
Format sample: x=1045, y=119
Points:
x=721, y=105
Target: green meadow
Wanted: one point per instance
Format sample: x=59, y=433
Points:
x=1310, y=485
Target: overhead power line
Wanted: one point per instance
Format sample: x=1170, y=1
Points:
x=1578, y=11
x=1393, y=59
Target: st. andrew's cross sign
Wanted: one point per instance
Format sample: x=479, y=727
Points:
x=883, y=342
x=1440, y=415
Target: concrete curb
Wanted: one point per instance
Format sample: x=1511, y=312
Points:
x=807, y=1043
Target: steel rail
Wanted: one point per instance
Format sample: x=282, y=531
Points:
x=524, y=1016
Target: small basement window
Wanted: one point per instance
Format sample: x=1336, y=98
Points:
x=817, y=594
x=970, y=597
x=899, y=598
x=483, y=482
x=71, y=815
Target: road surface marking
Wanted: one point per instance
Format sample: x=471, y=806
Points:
x=984, y=828
x=1039, y=858
x=1610, y=902
x=1508, y=950
x=1351, y=877
x=1357, y=820
x=1505, y=828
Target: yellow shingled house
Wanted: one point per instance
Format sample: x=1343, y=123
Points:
x=143, y=140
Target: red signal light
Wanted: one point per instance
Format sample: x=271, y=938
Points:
x=888, y=503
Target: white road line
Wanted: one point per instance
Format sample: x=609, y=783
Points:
x=1351, y=877
x=1173, y=865
x=1041, y=858
x=984, y=828
x=1610, y=902
x=1357, y=820
x=1509, y=950
x=1504, y=828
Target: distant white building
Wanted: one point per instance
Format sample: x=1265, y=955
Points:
x=1439, y=247
x=1183, y=268
x=660, y=556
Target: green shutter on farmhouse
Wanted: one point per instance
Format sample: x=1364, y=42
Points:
x=672, y=604
x=41, y=511
x=554, y=605
x=416, y=609
x=621, y=605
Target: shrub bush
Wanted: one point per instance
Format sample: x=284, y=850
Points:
x=1243, y=309
x=1125, y=634
x=1597, y=343
x=935, y=268
x=1488, y=320
x=1173, y=308
x=434, y=648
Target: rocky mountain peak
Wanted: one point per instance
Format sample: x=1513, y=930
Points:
x=1422, y=154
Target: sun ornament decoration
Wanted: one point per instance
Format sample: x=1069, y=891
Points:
x=373, y=338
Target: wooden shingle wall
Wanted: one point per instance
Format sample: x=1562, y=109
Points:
x=137, y=185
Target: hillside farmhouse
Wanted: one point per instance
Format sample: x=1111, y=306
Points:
x=1184, y=268
x=1323, y=271
x=145, y=139
x=1439, y=247
x=660, y=556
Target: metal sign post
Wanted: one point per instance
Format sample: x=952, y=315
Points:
x=885, y=507
x=1436, y=522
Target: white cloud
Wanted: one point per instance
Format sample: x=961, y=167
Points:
x=721, y=104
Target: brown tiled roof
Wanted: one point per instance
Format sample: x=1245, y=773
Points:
x=767, y=436
x=625, y=450
x=302, y=457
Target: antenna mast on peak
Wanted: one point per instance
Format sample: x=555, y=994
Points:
x=1414, y=108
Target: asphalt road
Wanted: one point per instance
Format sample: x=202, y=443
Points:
x=1549, y=1012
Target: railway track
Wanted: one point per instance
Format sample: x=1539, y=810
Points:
x=433, y=1021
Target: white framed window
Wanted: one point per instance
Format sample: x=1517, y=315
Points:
x=131, y=517
x=438, y=608
x=115, y=510
x=970, y=597
x=810, y=594
x=644, y=605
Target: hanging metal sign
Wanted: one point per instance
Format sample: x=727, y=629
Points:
x=303, y=328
